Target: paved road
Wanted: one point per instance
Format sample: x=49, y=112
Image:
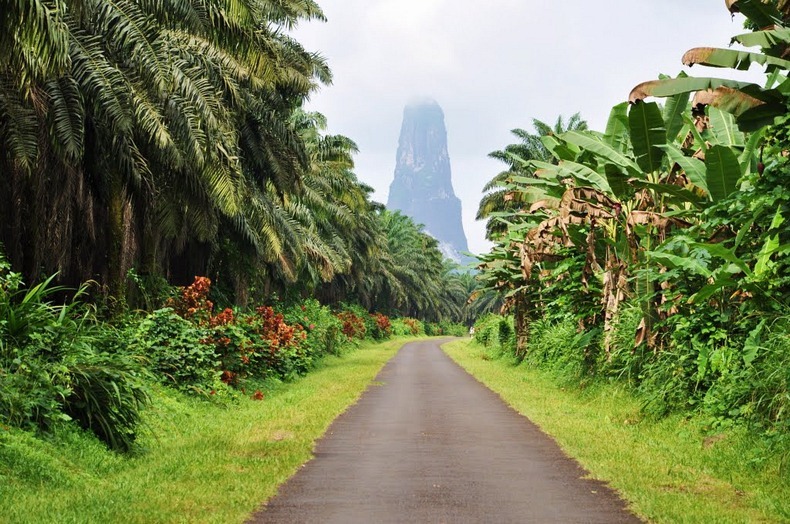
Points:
x=428, y=443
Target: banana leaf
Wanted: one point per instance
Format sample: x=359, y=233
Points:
x=673, y=86
x=761, y=13
x=602, y=150
x=731, y=58
x=695, y=169
x=723, y=172
x=646, y=127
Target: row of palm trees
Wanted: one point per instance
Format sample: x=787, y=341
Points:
x=169, y=137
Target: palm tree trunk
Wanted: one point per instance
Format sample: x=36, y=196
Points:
x=115, y=242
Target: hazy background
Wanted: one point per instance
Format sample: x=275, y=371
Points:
x=494, y=65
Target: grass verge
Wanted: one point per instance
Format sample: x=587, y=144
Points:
x=670, y=470
x=200, y=461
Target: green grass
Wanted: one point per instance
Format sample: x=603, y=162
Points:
x=200, y=461
x=670, y=470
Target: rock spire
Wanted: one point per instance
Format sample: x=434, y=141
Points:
x=422, y=188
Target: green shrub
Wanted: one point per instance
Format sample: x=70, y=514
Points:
x=407, y=327
x=676, y=376
x=488, y=328
x=559, y=347
x=753, y=383
x=178, y=351
x=668, y=382
x=148, y=292
x=108, y=392
x=624, y=361
x=323, y=328
x=58, y=362
x=506, y=335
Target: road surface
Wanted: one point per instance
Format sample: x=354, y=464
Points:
x=428, y=443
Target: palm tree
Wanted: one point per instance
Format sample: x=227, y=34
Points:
x=137, y=131
x=531, y=146
x=502, y=203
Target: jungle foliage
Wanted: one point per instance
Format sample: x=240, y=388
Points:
x=656, y=251
x=144, y=143
x=169, y=140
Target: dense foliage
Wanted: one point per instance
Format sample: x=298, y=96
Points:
x=168, y=140
x=655, y=252
x=60, y=363
x=144, y=143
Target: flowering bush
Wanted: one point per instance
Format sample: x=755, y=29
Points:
x=261, y=344
x=353, y=325
x=382, y=326
x=322, y=327
x=192, y=301
x=196, y=349
x=233, y=347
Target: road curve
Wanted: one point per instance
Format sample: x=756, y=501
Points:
x=428, y=443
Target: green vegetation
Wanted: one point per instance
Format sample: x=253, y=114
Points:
x=198, y=461
x=145, y=143
x=654, y=254
x=675, y=469
x=162, y=153
x=152, y=141
x=58, y=362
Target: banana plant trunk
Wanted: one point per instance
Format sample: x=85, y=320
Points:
x=521, y=311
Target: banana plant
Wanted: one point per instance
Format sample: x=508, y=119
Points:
x=752, y=105
x=650, y=172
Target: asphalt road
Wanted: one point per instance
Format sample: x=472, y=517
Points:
x=428, y=443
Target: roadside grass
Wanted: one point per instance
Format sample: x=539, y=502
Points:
x=199, y=461
x=670, y=470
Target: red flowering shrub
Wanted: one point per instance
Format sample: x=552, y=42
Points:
x=414, y=325
x=192, y=301
x=382, y=326
x=383, y=323
x=260, y=344
x=222, y=319
x=228, y=377
x=236, y=346
x=274, y=329
x=353, y=325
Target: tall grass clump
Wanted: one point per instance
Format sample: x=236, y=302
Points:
x=560, y=347
x=624, y=360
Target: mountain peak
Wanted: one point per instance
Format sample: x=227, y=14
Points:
x=422, y=188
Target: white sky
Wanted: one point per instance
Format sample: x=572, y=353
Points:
x=494, y=65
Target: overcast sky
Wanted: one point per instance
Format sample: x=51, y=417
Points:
x=494, y=65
